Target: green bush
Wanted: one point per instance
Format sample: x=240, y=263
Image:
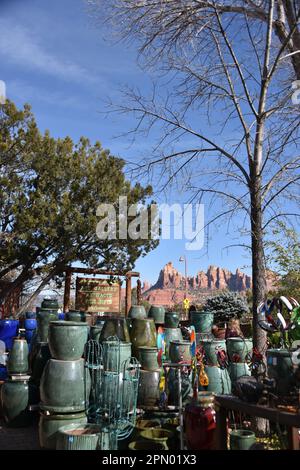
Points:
x=227, y=305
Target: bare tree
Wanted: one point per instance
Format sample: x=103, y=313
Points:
x=229, y=130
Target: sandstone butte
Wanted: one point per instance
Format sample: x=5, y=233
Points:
x=169, y=288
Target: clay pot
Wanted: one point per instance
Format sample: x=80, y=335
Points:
x=200, y=423
x=8, y=331
x=18, y=358
x=148, y=358
x=143, y=333
x=202, y=321
x=16, y=396
x=67, y=340
x=211, y=348
x=78, y=437
x=148, y=392
x=157, y=313
x=49, y=425
x=180, y=351
x=115, y=355
x=65, y=386
x=137, y=311
x=158, y=435
x=239, y=349
x=171, y=334
x=115, y=326
x=241, y=439
x=44, y=317
x=219, y=381
x=171, y=319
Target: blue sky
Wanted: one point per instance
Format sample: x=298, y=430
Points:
x=56, y=58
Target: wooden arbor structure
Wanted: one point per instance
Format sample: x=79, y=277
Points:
x=128, y=275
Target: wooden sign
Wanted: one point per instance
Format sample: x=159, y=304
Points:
x=97, y=295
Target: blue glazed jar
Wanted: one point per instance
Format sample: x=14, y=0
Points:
x=30, y=324
x=61, y=316
x=30, y=315
x=8, y=330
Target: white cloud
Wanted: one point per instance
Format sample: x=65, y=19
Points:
x=22, y=47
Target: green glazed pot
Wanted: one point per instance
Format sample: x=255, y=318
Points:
x=16, y=396
x=65, y=386
x=115, y=354
x=171, y=334
x=237, y=370
x=39, y=356
x=43, y=321
x=157, y=313
x=143, y=333
x=78, y=437
x=211, y=348
x=219, y=381
x=148, y=391
x=18, y=357
x=280, y=368
x=51, y=304
x=171, y=319
x=239, y=349
x=241, y=439
x=180, y=351
x=146, y=445
x=67, y=339
x=148, y=358
x=115, y=326
x=49, y=425
x=158, y=435
x=76, y=316
x=202, y=321
x=137, y=311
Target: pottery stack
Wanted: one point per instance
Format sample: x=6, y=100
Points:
x=150, y=375
x=65, y=383
x=203, y=323
x=215, y=358
x=239, y=352
x=179, y=353
x=172, y=332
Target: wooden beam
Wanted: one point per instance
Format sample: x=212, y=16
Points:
x=67, y=294
x=221, y=431
x=102, y=271
x=138, y=292
x=128, y=295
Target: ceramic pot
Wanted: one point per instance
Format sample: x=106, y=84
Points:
x=157, y=313
x=30, y=315
x=38, y=358
x=62, y=316
x=237, y=370
x=202, y=321
x=29, y=334
x=180, y=351
x=49, y=425
x=75, y=316
x=8, y=331
x=18, y=358
x=146, y=445
x=157, y=435
x=115, y=326
x=200, y=423
x=171, y=319
x=95, y=332
x=172, y=383
x=280, y=368
x=116, y=388
x=67, y=340
x=219, y=381
x=148, y=358
x=143, y=424
x=50, y=303
x=211, y=349
x=241, y=439
x=43, y=321
x=16, y=396
x=142, y=333
x=3, y=376
x=78, y=437
x=65, y=386
x=148, y=392
x=239, y=349
x=171, y=334
x=115, y=355
x=30, y=324
x=137, y=311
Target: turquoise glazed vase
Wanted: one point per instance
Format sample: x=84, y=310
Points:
x=18, y=358
x=67, y=340
x=237, y=370
x=180, y=351
x=239, y=349
x=219, y=381
x=241, y=439
x=211, y=348
x=137, y=311
x=171, y=319
x=202, y=321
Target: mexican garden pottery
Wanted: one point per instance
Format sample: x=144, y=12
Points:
x=157, y=313
x=180, y=351
x=142, y=333
x=148, y=392
x=241, y=439
x=137, y=311
x=219, y=381
x=237, y=370
x=239, y=349
x=115, y=326
x=157, y=435
x=18, y=358
x=115, y=355
x=44, y=317
x=200, y=422
x=8, y=331
x=171, y=319
x=65, y=386
x=280, y=368
x=211, y=349
x=75, y=315
x=78, y=437
x=171, y=334
x=50, y=304
x=16, y=396
x=148, y=357
x=67, y=339
x=49, y=425
x=202, y=321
